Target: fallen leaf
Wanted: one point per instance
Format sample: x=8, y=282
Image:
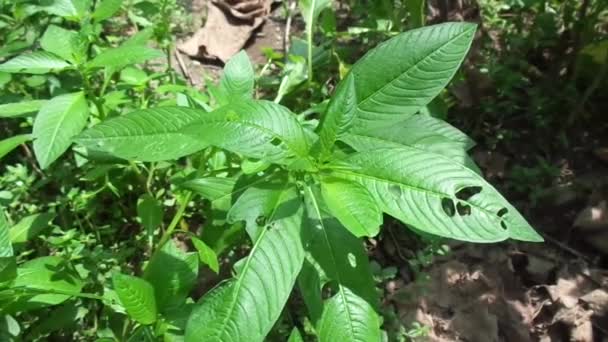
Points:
x=229, y=25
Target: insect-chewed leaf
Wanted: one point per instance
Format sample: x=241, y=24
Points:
x=137, y=297
x=437, y=195
x=157, y=134
x=57, y=122
x=255, y=129
x=246, y=308
x=38, y=62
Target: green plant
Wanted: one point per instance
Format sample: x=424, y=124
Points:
x=308, y=196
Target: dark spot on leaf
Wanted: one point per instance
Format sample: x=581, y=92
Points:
x=276, y=141
x=468, y=192
x=260, y=220
x=395, y=190
x=463, y=209
x=448, y=207
x=503, y=225
x=502, y=212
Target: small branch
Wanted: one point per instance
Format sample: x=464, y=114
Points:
x=183, y=67
x=175, y=221
x=287, y=33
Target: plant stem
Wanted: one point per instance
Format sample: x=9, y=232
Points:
x=309, y=42
x=175, y=221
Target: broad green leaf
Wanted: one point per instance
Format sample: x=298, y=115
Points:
x=398, y=77
x=339, y=257
x=206, y=255
x=339, y=115
x=347, y=317
x=66, y=44
x=49, y=279
x=211, y=188
x=137, y=297
x=29, y=227
x=8, y=268
x=238, y=79
x=255, y=129
x=120, y=57
x=7, y=145
x=157, y=134
x=150, y=213
x=173, y=273
x=435, y=194
x=64, y=316
x=419, y=131
x=255, y=205
x=352, y=205
x=19, y=109
x=57, y=122
x=105, y=9
x=246, y=308
x=69, y=9
x=38, y=62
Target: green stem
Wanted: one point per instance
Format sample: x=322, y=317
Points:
x=175, y=221
x=309, y=41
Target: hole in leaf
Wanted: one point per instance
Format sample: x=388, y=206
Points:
x=502, y=212
x=463, y=209
x=260, y=220
x=395, y=190
x=503, y=225
x=276, y=141
x=352, y=260
x=448, y=207
x=468, y=192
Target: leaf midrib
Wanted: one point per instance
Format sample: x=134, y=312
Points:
x=56, y=128
x=333, y=260
x=415, y=65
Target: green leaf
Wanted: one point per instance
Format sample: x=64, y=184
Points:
x=255, y=205
x=295, y=336
x=6, y=248
x=120, y=57
x=340, y=257
x=58, y=121
x=173, y=273
x=206, y=255
x=417, y=131
x=238, y=80
x=211, y=188
x=137, y=297
x=38, y=62
x=29, y=227
x=19, y=109
x=436, y=195
x=66, y=44
x=255, y=129
x=311, y=9
x=352, y=205
x=69, y=9
x=50, y=281
x=246, y=308
x=416, y=11
x=150, y=213
x=7, y=145
x=347, y=317
x=157, y=134
x=339, y=115
x=106, y=9
x=402, y=75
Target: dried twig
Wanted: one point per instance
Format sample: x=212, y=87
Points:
x=183, y=67
x=287, y=33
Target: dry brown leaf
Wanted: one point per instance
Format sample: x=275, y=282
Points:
x=230, y=23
